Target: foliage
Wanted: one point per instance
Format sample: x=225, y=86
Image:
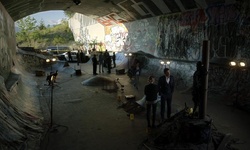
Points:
x=27, y=26
x=39, y=36
x=41, y=26
x=69, y=14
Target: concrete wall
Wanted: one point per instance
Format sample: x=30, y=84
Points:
x=179, y=38
x=86, y=30
x=7, y=43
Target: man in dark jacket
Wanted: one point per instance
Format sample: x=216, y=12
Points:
x=94, y=62
x=114, y=58
x=166, y=85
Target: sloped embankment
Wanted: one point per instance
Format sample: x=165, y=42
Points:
x=20, y=113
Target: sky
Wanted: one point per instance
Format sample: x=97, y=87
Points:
x=49, y=17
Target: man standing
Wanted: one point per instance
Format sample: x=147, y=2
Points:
x=101, y=62
x=94, y=62
x=78, y=57
x=109, y=64
x=81, y=56
x=166, y=85
x=198, y=90
x=114, y=58
x=105, y=57
x=70, y=57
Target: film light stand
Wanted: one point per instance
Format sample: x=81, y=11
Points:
x=52, y=126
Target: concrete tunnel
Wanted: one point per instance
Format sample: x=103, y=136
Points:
x=154, y=34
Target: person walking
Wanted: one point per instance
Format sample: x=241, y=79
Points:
x=94, y=62
x=166, y=86
x=151, y=91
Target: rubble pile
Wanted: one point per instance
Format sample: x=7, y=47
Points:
x=184, y=131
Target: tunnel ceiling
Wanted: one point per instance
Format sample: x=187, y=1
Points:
x=104, y=11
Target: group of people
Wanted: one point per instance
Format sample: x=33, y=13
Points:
x=104, y=60
x=165, y=89
x=80, y=56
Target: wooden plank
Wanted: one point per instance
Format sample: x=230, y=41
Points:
x=224, y=142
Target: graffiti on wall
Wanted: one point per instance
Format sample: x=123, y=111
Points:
x=141, y=36
x=6, y=40
x=226, y=26
x=233, y=82
x=180, y=36
x=85, y=38
x=115, y=37
x=111, y=19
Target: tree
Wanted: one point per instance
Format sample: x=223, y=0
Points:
x=40, y=36
x=41, y=26
x=69, y=14
x=26, y=26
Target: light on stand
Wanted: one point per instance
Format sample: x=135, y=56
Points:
x=239, y=67
x=237, y=63
x=51, y=84
x=232, y=63
x=128, y=55
x=50, y=61
x=53, y=59
x=242, y=64
x=165, y=63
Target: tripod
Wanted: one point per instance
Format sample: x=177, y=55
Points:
x=52, y=126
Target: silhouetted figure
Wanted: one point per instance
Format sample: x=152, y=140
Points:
x=81, y=57
x=198, y=89
x=151, y=91
x=78, y=57
x=114, y=58
x=101, y=62
x=94, y=62
x=69, y=56
x=106, y=57
x=109, y=64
